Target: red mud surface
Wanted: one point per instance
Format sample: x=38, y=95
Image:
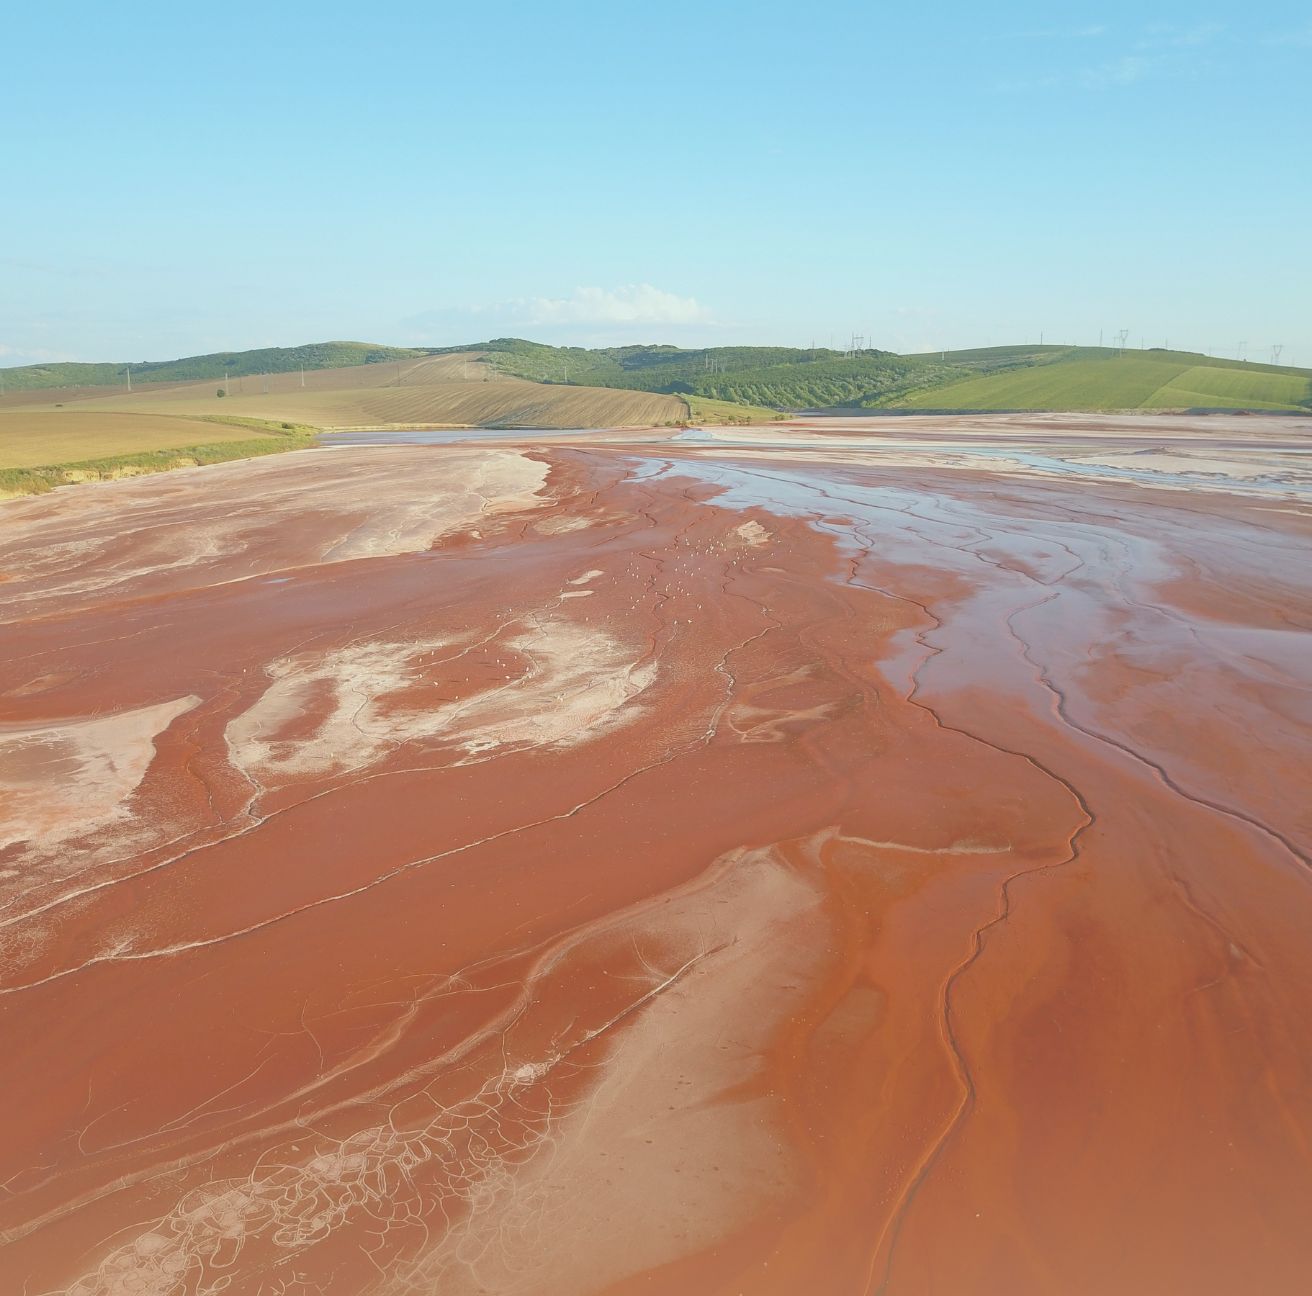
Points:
x=657, y=868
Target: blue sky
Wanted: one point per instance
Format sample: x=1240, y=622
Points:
x=181, y=179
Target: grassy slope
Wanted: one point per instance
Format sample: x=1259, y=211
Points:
x=267, y=360
x=44, y=449
x=703, y=410
x=1089, y=379
x=1075, y=384
x=1205, y=385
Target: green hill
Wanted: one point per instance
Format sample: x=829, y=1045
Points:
x=669, y=369
x=989, y=378
x=237, y=364
x=789, y=378
x=1091, y=378
x=780, y=378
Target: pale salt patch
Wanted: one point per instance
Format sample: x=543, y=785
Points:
x=561, y=523
x=529, y=1072
x=497, y=482
x=575, y=687
x=1232, y=464
x=61, y=778
x=206, y=526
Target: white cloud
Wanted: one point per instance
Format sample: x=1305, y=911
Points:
x=1162, y=50
x=627, y=304
x=1299, y=38
x=587, y=316
x=1170, y=36
x=10, y=356
x=1088, y=32
x=1122, y=71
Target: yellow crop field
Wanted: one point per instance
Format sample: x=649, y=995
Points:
x=452, y=390
x=35, y=438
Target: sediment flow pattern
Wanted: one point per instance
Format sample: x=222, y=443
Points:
x=667, y=867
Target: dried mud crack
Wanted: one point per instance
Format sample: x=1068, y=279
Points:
x=810, y=858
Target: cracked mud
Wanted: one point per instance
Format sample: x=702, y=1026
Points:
x=844, y=859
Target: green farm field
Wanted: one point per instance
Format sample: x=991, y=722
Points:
x=1205, y=385
x=1110, y=382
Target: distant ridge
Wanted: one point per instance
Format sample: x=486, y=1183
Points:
x=788, y=379
x=1007, y=378
x=237, y=364
x=459, y=390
